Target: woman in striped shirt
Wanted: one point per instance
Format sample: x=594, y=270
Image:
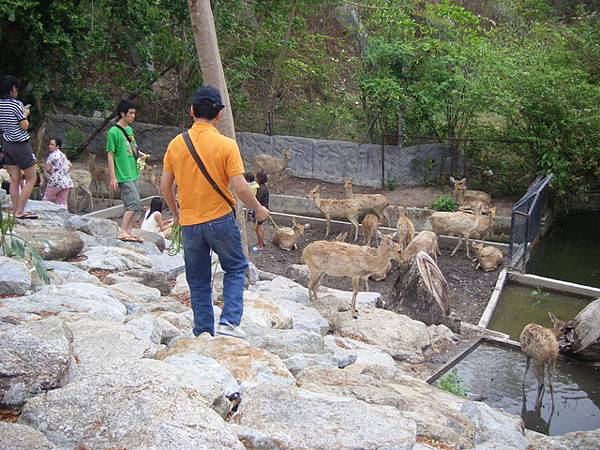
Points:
x=16, y=147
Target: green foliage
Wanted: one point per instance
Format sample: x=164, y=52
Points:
x=14, y=246
x=74, y=137
x=445, y=203
x=537, y=296
x=391, y=184
x=450, y=382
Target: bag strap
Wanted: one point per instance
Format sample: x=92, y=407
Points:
x=202, y=167
x=124, y=131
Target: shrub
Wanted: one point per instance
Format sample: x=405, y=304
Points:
x=451, y=383
x=74, y=137
x=445, y=203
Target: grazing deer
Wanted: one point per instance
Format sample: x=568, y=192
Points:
x=405, y=230
x=339, y=259
x=540, y=344
x=336, y=208
x=488, y=258
x=81, y=181
x=275, y=167
x=468, y=197
x=100, y=176
x=463, y=225
x=376, y=203
x=151, y=175
x=286, y=238
x=370, y=227
x=425, y=241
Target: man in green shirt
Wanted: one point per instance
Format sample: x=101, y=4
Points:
x=122, y=154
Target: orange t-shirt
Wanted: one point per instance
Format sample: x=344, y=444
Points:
x=198, y=201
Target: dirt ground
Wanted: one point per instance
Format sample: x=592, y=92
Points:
x=471, y=289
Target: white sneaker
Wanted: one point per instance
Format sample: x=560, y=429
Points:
x=225, y=329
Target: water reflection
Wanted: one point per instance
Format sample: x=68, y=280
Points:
x=497, y=374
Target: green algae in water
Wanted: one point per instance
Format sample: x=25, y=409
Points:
x=496, y=373
x=571, y=250
x=520, y=305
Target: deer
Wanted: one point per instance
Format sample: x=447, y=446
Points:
x=488, y=258
x=425, y=241
x=337, y=208
x=405, y=230
x=286, y=238
x=376, y=203
x=274, y=166
x=151, y=175
x=370, y=227
x=81, y=181
x=100, y=176
x=467, y=197
x=462, y=225
x=339, y=259
x=540, y=344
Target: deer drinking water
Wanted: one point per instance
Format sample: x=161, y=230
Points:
x=336, y=208
x=339, y=259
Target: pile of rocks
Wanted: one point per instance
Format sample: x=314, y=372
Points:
x=106, y=360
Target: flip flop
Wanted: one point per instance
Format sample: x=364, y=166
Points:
x=27, y=216
x=129, y=239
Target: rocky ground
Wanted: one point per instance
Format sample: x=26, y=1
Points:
x=102, y=357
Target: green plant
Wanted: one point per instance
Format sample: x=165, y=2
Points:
x=536, y=296
x=445, y=203
x=14, y=246
x=451, y=383
x=74, y=137
x=391, y=184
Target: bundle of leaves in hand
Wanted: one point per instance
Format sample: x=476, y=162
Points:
x=176, y=241
x=445, y=203
x=141, y=163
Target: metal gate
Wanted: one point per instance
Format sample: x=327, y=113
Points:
x=526, y=222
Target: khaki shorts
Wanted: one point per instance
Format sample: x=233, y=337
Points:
x=130, y=196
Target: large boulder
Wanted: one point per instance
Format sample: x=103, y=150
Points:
x=138, y=405
x=15, y=278
x=149, y=236
x=148, y=278
x=285, y=343
x=51, y=244
x=94, y=226
x=265, y=312
x=248, y=365
x=286, y=417
x=493, y=426
x=95, y=241
x=61, y=272
x=34, y=357
x=577, y=440
x=16, y=436
x=65, y=300
x=171, y=266
x=364, y=354
x=133, y=292
x=153, y=328
x=114, y=258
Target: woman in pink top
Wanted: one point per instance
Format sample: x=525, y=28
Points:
x=59, y=180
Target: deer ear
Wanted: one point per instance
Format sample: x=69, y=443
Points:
x=452, y=180
x=464, y=180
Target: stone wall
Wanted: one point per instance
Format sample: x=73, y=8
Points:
x=325, y=160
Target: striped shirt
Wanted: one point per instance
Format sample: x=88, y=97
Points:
x=11, y=115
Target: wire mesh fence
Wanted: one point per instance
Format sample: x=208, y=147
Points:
x=526, y=222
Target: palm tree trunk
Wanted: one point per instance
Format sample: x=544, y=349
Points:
x=207, y=48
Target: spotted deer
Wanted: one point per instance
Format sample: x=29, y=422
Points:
x=336, y=208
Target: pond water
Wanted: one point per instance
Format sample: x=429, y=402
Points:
x=520, y=305
x=570, y=250
x=497, y=373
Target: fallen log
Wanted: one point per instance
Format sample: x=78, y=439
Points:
x=581, y=335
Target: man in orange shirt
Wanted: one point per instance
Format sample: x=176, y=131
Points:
x=205, y=215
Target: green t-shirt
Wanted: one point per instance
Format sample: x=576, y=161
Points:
x=125, y=162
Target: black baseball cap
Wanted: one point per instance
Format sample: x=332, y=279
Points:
x=211, y=94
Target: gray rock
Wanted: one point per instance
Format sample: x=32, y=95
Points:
x=286, y=343
x=149, y=236
x=304, y=317
x=286, y=417
x=52, y=244
x=16, y=436
x=144, y=247
x=64, y=300
x=138, y=405
x=265, y=313
x=34, y=357
x=148, y=278
x=577, y=440
x=364, y=354
x=94, y=226
x=133, y=292
x=171, y=266
x=493, y=425
x=153, y=328
x=14, y=277
x=62, y=272
x=114, y=258
x=301, y=361
x=252, y=273
x=298, y=273
x=48, y=212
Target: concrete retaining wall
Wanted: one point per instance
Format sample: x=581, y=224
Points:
x=324, y=160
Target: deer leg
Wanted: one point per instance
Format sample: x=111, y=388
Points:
x=467, y=246
x=313, y=284
x=457, y=245
x=355, y=225
x=355, y=283
x=328, y=219
x=526, y=369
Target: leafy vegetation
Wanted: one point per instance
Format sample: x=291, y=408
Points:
x=452, y=383
x=445, y=203
x=513, y=84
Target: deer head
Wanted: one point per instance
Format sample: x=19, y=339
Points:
x=315, y=192
x=559, y=325
x=287, y=155
x=401, y=212
x=347, y=184
x=459, y=184
x=91, y=158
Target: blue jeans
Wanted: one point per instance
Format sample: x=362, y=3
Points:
x=222, y=235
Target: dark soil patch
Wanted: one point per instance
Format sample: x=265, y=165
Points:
x=471, y=289
x=101, y=274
